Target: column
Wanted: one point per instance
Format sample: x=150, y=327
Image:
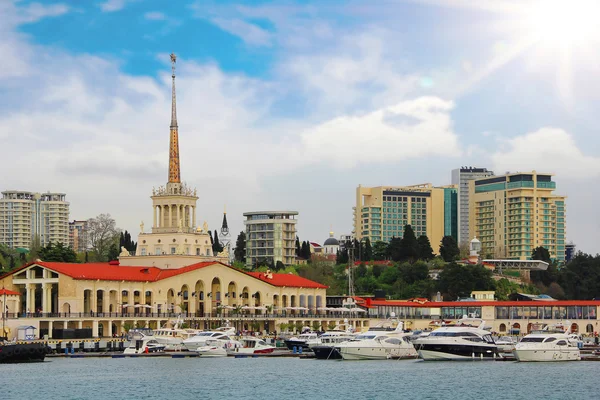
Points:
x=28, y=296
x=44, y=298
x=50, y=327
x=154, y=211
x=94, y=302
x=95, y=328
x=193, y=216
x=178, y=215
x=170, y=224
x=161, y=216
x=109, y=329
x=79, y=324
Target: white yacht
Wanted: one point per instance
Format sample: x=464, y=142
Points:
x=142, y=343
x=506, y=344
x=466, y=340
x=213, y=348
x=173, y=338
x=223, y=335
x=324, y=345
x=548, y=343
x=377, y=344
x=251, y=345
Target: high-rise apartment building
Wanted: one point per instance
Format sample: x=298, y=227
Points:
x=382, y=212
x=270, y=237
x=513, y=214
x=78, y=238
x=24, y=215
x=461, y=177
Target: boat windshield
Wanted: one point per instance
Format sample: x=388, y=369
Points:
x=205, y=334
x=365, y=337
x=532, y=340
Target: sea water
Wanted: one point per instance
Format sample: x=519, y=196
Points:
x=292, y=378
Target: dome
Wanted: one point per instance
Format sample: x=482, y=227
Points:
x=331, y=242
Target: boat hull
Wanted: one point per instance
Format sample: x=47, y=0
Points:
x=290, y=344
x=441, y=352
x=20, y=353
x=541, y=355
x=326, y=353
x=375, y=353
x=212, y=352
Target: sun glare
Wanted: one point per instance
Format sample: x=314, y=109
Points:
x=565, y=21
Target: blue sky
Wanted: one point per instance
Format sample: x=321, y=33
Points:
x=292, y=104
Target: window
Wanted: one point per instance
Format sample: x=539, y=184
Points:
x=173, y=250
x=143, y=252
x=157, y=251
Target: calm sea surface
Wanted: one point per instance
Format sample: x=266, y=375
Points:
x=291, y=378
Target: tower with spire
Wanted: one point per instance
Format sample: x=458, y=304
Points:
x=224, y=235
x=175, y=239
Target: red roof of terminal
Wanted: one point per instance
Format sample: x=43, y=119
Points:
x=289, y=280
x=9, y=292
x=435, y=304
x=114, y=272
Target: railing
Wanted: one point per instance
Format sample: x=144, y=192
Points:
x=249, y=315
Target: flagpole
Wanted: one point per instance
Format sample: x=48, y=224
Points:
x=4, y=308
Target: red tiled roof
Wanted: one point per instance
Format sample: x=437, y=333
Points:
x=9, y=292
x=436, y=304
x=289, y=280
x=379, y=262
x=115, y=272
x=314, y=244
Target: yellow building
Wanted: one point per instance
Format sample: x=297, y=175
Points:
x=513, y=214
x=382, y=212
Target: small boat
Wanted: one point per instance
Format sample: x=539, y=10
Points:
x=549, y=343
x=506, y=344
x=18, y=353
x=301, y=341
x=250, y=346
x=213, y=348
x=324, y=346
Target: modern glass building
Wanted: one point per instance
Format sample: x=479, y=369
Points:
x=513, y=214
x=382, y=212
x=451, y=211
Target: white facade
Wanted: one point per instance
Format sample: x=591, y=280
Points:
x=461, y=177
x=270, y=237
x=23, y=215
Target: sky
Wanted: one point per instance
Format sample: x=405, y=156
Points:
x=290, y=105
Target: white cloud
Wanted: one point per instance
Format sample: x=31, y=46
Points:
x=546, y=150
x=113, y=5
x=155, y=16
x=249, y=33
x=34, y=12
x=410, y=129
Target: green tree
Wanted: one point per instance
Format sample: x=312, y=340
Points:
x=409, y=247
x=126, y=241
x=411, y=273
x=342, y=256
x=425, y=250
x=541, y=253
x=298, y=247
x=380, y=250
x=57, y=252
x=390, y=275
x=580, y=279
x=368, y=250
x=217, y=247
x=458, y=280
x=113, y=252
x=395, y=249
x=449, y=249
x=240, y=248
x=378, y=269
x=102, y=233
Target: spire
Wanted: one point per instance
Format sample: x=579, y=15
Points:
x=224, y=227
x=174, y=172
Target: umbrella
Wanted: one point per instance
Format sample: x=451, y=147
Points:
x=127, y=305
x=290, y=308
x=263, y=308
x=229, y=307
x=143, y=306
x=247, y=308
x=301, y=308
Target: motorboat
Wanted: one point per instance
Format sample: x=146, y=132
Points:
x=324, y=346
x=548, y=343
x=12, y=352
x=222, y=334
x=378, y=344
x=506, y=344
x=141, y=343
x=251, y=346
x=301, y=341
x=213, y=348
x=173, y=338
x=465, y=340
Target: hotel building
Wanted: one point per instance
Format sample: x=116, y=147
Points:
x=382, y=212
x=24, y=215
x=461, y=177
x=78, y=236
x=270, y=237
x=513, y=214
